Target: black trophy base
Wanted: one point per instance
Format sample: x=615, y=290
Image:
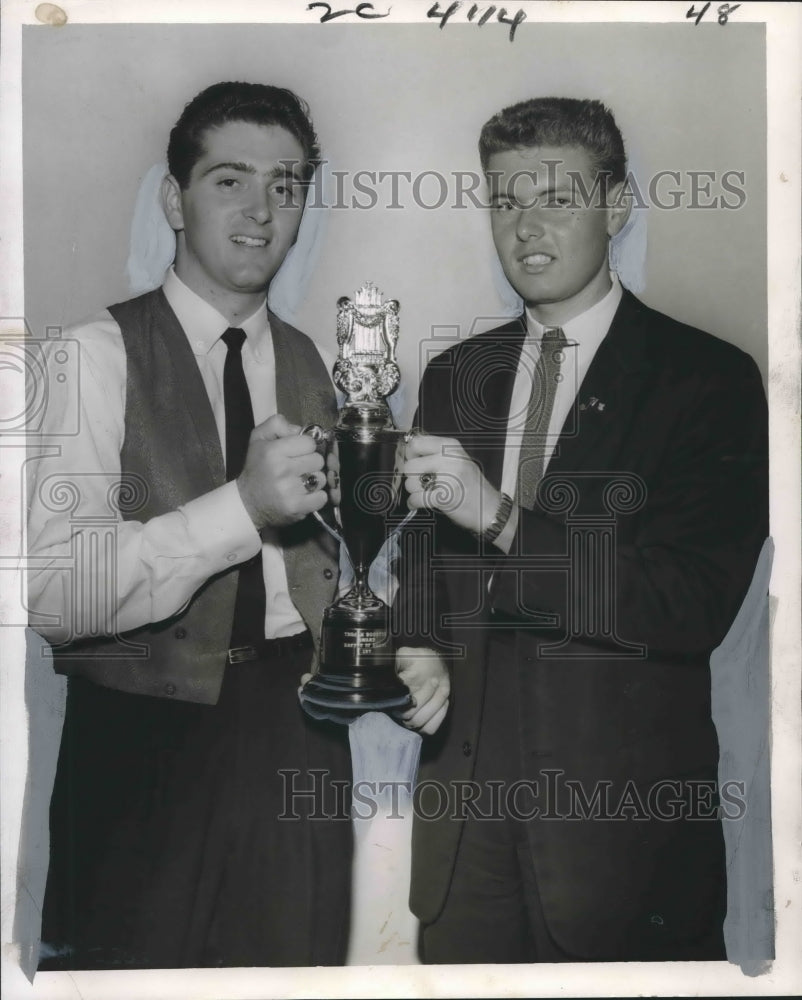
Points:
x=357, y=669
x=354, y=694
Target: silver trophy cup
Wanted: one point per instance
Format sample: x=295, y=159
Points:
x=357, y=665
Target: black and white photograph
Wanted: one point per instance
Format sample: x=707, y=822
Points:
x=401, y=484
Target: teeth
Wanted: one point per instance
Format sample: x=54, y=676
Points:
x=537, y=258
x=249, y=241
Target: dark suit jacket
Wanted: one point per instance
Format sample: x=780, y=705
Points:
x=623, y=578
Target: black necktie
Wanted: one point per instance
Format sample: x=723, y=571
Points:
x=538, y=415
x=249, y=610
x=239, y=412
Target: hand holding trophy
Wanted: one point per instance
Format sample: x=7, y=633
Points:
x=357, y=669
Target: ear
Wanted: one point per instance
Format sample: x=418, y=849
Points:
x=619, y=205
x=172, y=202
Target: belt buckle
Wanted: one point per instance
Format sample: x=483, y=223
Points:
x=242, y=654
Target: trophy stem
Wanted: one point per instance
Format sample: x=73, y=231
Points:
x=361, y=598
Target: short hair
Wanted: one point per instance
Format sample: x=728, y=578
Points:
x=558, y=121
x=257, y=103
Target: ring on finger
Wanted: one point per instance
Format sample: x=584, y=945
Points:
x=428, y=480
x=309, y=480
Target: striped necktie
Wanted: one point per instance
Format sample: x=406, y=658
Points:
x=531, y=463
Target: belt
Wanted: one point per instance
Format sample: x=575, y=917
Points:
x=268, y=649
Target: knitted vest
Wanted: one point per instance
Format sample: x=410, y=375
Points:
x=171, y=454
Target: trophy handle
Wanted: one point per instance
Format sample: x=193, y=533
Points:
x=325, y=442
x=318, y=434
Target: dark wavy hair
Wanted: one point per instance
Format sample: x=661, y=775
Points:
x=558, y=121
x=257, y=103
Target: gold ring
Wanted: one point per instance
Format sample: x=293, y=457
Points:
x=309, y=479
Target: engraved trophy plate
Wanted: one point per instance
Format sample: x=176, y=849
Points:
x=357, y=663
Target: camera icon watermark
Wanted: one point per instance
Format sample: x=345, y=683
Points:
x=41, y=377
x=474, y=386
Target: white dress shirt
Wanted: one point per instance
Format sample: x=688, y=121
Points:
x=584, y=335
x=162, y=562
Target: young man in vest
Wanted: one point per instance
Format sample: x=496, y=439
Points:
x=611, y=504
x=185, y=632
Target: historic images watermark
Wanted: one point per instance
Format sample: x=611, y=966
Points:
x=666, y=190
x=551, y=795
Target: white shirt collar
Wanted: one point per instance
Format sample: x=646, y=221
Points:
x=204, y=325
x=590, y=327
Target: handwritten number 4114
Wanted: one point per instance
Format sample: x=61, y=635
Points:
x=501, y=15
x=724, y=12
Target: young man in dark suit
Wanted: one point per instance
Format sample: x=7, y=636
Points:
x=596, y=473
x=195, y=585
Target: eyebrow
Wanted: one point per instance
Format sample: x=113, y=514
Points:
x=509, y=194
x=280, y=170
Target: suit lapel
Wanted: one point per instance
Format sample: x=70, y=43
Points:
x=500, y=359
x=608, y=396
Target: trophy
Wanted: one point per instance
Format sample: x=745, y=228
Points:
x=357, y=663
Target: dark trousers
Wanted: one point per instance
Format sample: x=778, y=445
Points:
x=493, y=912
x=181, y=835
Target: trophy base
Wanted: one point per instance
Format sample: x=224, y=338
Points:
x=357, y=669
x=353, y=694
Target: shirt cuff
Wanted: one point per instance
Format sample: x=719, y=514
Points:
x=221, y=527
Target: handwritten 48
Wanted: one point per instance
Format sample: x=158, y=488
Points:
x=724, y=12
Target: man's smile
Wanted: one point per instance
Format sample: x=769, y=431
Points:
x=536, y=260
x=250, y=241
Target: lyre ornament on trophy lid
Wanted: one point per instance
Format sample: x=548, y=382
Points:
x=367, y=332
x=357, y=668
